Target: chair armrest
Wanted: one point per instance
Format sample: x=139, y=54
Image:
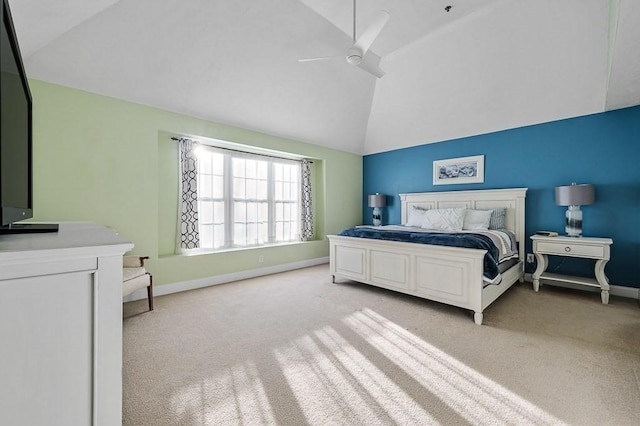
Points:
x=133, y=261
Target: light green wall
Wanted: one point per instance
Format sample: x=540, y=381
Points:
x=109, y=161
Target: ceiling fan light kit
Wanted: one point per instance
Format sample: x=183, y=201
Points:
x=357, y=54
x=354, y=56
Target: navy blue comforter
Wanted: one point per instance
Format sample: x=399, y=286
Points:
x=466, y=240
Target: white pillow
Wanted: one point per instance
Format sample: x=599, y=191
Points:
x=450, y=219
x=477, y=219
x=416, y=217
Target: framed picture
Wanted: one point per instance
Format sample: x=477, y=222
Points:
x=459, y=170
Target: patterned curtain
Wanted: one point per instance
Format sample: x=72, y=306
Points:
x=188, y=234
x=307, y=202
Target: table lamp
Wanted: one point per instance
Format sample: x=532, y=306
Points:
x=574, y=196
x=377, y=201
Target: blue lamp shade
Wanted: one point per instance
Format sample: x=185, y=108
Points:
x=377, y=201
x=574, y=196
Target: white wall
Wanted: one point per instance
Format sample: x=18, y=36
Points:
x=493, y=71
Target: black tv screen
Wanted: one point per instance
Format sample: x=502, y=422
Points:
x=16, y=129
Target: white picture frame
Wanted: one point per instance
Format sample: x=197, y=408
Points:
x=459, y=170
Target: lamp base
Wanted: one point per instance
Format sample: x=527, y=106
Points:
x=573, y=226
x=377, y=217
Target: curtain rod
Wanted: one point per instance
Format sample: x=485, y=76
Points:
x=241, y=151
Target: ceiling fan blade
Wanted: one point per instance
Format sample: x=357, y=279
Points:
x=322, y=58
x=371, y=64
x=370, y=33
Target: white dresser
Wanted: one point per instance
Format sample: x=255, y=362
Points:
x=61, y=327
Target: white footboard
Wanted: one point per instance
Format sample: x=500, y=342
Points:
x=449, y=275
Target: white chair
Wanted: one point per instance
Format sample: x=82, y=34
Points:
x=135, y=276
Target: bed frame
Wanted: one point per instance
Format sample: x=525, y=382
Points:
x=448, y=275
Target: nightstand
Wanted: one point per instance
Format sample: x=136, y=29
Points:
x=585, y=247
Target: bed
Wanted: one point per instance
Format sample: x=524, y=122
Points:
x=451, y=275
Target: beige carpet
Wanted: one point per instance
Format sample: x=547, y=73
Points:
x=294, y=349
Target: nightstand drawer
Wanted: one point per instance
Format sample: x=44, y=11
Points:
x=569, y=249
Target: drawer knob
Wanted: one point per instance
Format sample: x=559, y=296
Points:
x=567, y=249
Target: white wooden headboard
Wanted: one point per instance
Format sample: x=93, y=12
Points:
x=512, y=199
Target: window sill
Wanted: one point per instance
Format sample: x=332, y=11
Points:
x=200, y=252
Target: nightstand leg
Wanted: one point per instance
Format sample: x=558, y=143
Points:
x=602, y=280
x=477, y=317
x=543, y=262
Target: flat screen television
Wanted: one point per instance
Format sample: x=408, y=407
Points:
x=16, y=168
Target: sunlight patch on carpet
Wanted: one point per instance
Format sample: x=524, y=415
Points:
x=324, y=391
x=237, y=397
x=473, y=396
x=387, y=394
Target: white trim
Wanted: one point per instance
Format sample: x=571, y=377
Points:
x=161, y=290
x=615, y=290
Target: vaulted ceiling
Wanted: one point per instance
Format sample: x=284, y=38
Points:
x=482, y=66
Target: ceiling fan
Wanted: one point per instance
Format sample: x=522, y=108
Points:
x=357, y=53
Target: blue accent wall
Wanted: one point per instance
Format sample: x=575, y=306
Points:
x=601, y=149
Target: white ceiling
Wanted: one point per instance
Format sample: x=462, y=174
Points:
x=486, y=65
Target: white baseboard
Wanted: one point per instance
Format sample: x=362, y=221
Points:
x=614, y=290
x=163, y=289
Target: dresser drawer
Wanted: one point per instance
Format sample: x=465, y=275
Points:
x=570, y=249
